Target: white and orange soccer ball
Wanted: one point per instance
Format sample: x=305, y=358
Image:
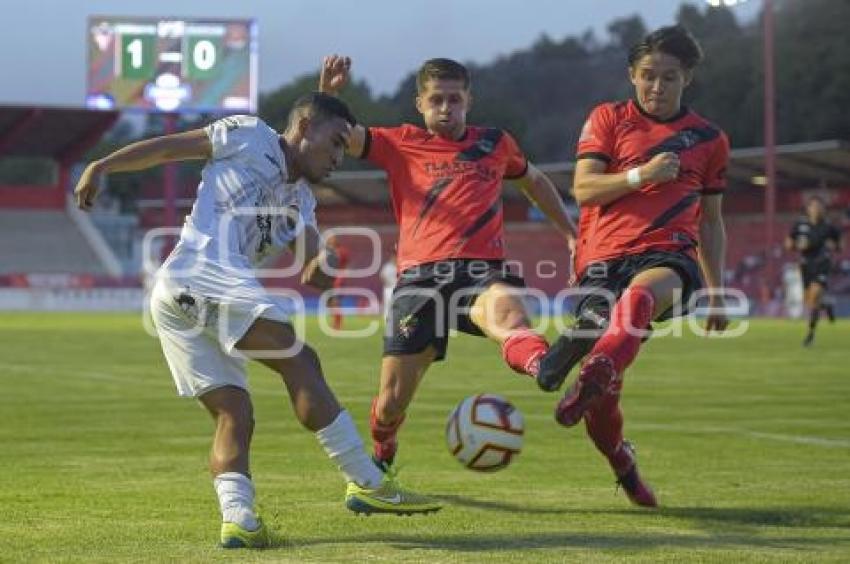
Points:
x=484, y=432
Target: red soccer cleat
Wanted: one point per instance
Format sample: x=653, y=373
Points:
x=624, y=464
x=596, y=378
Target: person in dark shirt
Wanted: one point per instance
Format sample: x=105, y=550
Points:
x=817, y=241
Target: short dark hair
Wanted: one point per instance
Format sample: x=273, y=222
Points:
x=441, y=69
x=673, y=40
x=319, y=106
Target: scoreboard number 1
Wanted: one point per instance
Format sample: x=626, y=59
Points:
x=135, y=50
x=136, y=59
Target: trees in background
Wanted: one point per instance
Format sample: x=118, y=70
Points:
x=543, y=94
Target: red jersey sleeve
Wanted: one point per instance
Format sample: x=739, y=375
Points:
x=517, y=163
x=715, y=173
x=380, y=145
x=597, y=136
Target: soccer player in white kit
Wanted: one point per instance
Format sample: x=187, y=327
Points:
x=211, y=311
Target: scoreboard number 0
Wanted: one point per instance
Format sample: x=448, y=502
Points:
x=203, y=55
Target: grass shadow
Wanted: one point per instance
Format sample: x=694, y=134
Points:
x=805, y=517
x=580, y=540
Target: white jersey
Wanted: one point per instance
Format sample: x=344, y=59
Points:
x=207, y=294
x=245, y=210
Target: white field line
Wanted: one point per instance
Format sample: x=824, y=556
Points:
x=799, y=439
x=126, y=379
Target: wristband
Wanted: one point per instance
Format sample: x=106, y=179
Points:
x=633, y=177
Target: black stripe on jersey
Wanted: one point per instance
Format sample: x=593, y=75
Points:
x=684, y=139
x=367, y=144
x=485, y=145
x=594, y=155
x=479, y=223
x=672, y=211
x=711, y=191
x=430, y=199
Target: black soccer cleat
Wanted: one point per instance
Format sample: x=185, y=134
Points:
x=565, y=353
x=810, y=338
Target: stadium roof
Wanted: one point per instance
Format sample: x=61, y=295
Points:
x=63, y=134
x=798, y=166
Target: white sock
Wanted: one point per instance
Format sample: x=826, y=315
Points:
x=236, y=498
x=344, y=446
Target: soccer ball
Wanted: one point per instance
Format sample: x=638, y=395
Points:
x=484, y=432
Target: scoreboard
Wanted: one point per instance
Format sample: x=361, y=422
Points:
x=172, y=65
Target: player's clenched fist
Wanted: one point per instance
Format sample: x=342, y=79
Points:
x=87, y=187
x=662, y=168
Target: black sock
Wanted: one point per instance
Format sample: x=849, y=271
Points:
x=814, y=316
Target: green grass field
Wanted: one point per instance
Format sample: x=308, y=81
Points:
x=746, y=441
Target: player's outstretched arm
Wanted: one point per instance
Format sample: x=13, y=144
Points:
x=141, y=155
x=334, y=75
x=592, y=186
x=712, y=257
x=318, y=259
x=540, y=190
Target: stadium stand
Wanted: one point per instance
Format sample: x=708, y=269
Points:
x=45, y=241
x=38, y=232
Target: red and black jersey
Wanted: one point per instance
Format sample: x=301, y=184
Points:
x=664, y=216
x=446, y=195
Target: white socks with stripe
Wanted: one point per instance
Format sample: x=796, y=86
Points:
x=343, y=445
x=236, y=498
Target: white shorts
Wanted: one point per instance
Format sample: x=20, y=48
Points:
x=198, y=333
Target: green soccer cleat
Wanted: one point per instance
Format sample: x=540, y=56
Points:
x=389, y=497
x=234, y=536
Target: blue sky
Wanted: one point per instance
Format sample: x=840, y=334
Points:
x=43, y=58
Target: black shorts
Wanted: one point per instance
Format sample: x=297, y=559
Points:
x=816, y=270
x=432, y=298
x=615, y=275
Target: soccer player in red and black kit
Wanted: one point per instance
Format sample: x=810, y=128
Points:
x=817, y=240
x=445, y=183
x=649, y=179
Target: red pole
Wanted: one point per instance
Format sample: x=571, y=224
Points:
x=769, y=143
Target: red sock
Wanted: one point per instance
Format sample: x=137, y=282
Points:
x=522, y=351
x=384, y=435
x=604, y=424
x=632, y=312
x=337, y=321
